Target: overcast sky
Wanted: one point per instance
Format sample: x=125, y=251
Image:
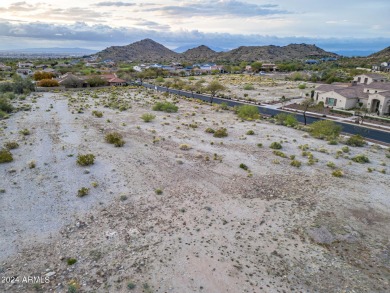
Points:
x=331, y=24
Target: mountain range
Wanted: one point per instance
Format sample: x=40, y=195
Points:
x=148, y=50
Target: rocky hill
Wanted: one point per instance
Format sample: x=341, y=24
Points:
x=146, y=50
x=274, y=53
x=150, y=51
x=199, y=54
x=383, y=54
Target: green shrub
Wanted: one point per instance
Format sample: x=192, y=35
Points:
x=97, y=114
x=295, y=163
x=248, y=112
x=275, y=145
x=338, y=173
x=280, y=154
x=5, y=156
x=209, y=130
x=249, y=87
x=243, y=166
x=24, y=131
x=5, y=105
x=10, y=145
x=286, y=119
x=325, y=129
x=331, y=165
x=165, y=107
x=302, y=86
x=355, y=141
x=250, y=132
x=83, y=191
x=345, y=149
x=71, y=261
x=86, y=160
x=360, y=159
x=159, y=191
x=222, y=132
x=333, y=142
x=260, y=145
x=184, y=147
x=131, y=285
x=147, y=117
x=115, y=138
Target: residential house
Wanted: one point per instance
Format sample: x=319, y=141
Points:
x=369, y=78
x=69, y=80
x=4, y=67
x=25, y=65
x=269, y=67
x=24, y=72
x=367, y=90
x=114, y=80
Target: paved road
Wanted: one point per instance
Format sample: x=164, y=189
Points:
x=370, y=133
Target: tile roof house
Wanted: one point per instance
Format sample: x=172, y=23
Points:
x=369, y=90
x=114, y=80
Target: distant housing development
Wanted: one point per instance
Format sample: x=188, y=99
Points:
x=371, y=91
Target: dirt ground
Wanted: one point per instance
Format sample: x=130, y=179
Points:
x=169, y=219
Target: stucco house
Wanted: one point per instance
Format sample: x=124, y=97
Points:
x=371, y=91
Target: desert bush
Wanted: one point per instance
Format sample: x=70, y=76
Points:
x=10, y=145
x=209, y=130
x=32, y=164
x=355, y=141
x=222, y=132
x=5, y=156
x=48, y=83
x=338, y=173
x=331, y=165
x=131, y=285
x=275, y=145
x=360, y=159
x=97, y=114
x=295, y=163
x=286, y=119
x=5, y=104
x=248, y=112
x=115, y=138
x=302, y=86
x=71, y=261
x=243, y=166
x=159, y=191
x=165, y=107
x=83, y=191
x=24, y=131
x=249, y=87
x=147, y=117
x=250, y=132
x=184, y=147
x=86, y=160
x=279, y=153
x=325, y=129
x=345, y=149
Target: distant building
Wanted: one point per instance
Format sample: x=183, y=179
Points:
x=25, y=65
x=24, y=72
x=4, y=67
x=368, y=90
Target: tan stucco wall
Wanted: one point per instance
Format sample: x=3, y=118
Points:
x=342, y=102
x=383, y=105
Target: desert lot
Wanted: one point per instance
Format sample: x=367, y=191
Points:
x=172, y=211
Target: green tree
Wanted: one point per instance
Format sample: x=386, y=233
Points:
x=213, y=88
x=256, y=66
x=325, y=129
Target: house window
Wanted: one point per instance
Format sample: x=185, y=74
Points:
x=331, y=102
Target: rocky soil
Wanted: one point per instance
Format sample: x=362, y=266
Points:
x=163, y=218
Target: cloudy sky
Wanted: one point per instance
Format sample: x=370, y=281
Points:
x=333, y=25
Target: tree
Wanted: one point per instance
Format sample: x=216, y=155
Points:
x=213, y=88
x=96, y=81
x=39, y=75
x=191, y=88
x=48, y=83
x=256, y=66
x=325, y=129
x=306, y=104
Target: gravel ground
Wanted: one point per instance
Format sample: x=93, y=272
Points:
x=214, y=228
